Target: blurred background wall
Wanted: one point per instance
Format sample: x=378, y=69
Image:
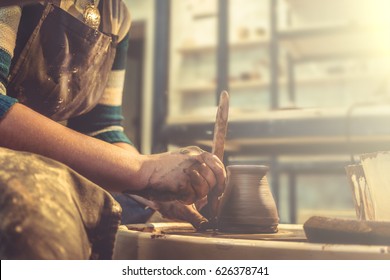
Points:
x=308, y=81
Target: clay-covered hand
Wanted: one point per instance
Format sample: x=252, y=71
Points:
x=178, y=211
x=186, y=175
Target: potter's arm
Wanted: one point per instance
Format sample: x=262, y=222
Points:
x=105, y=164
x=185, y=175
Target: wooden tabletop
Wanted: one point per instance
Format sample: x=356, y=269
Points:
x=179, y=241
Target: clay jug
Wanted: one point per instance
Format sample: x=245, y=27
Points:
x=247, y=205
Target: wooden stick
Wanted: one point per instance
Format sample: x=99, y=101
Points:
x=218, y=149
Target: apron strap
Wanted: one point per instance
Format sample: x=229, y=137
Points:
x=54, y=2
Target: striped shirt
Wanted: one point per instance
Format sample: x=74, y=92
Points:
x=103, y=121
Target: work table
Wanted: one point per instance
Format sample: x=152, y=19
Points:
x=177, y=241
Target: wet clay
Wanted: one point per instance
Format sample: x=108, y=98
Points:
x=248, y=205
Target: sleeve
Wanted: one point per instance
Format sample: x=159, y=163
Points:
x=104, y=121
x=9, y=23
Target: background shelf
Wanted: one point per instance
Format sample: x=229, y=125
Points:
x=287, y=65
x=189, y=50
x=335, y=41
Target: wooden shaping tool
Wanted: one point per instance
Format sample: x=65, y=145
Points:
x=220, y=127
x=218, y=149
x=347, y=231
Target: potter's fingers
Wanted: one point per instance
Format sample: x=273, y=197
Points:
x=178, y=211
x=206, y=172
x=191, y=150
x=199, y=183
x=201, y=203
x=186, y=193
x=218, y=169
x=194, y=217
x=213, y=203
x=188, y=197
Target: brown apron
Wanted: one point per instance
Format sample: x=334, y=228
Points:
x=63, y=69
x=48, y=211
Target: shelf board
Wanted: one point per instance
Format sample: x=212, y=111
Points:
x=331, y=79
x=207, y=115
x=250, y=43
x=205, y=15
x=195, y=49
x=289, y=131
x=249, y=84
x=316, y=4
x=197, y=88
x=259, y=84
x=311, y=11
x=335, y=40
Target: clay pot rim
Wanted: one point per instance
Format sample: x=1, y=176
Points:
x=247, y=168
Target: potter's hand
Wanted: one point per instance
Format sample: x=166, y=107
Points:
x=186, y=175
x=178, y=211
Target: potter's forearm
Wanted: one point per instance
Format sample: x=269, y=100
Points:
x=107, y=165
x=127, y=147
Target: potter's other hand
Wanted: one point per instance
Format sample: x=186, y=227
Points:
x=186, y=175
x=179, y=211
